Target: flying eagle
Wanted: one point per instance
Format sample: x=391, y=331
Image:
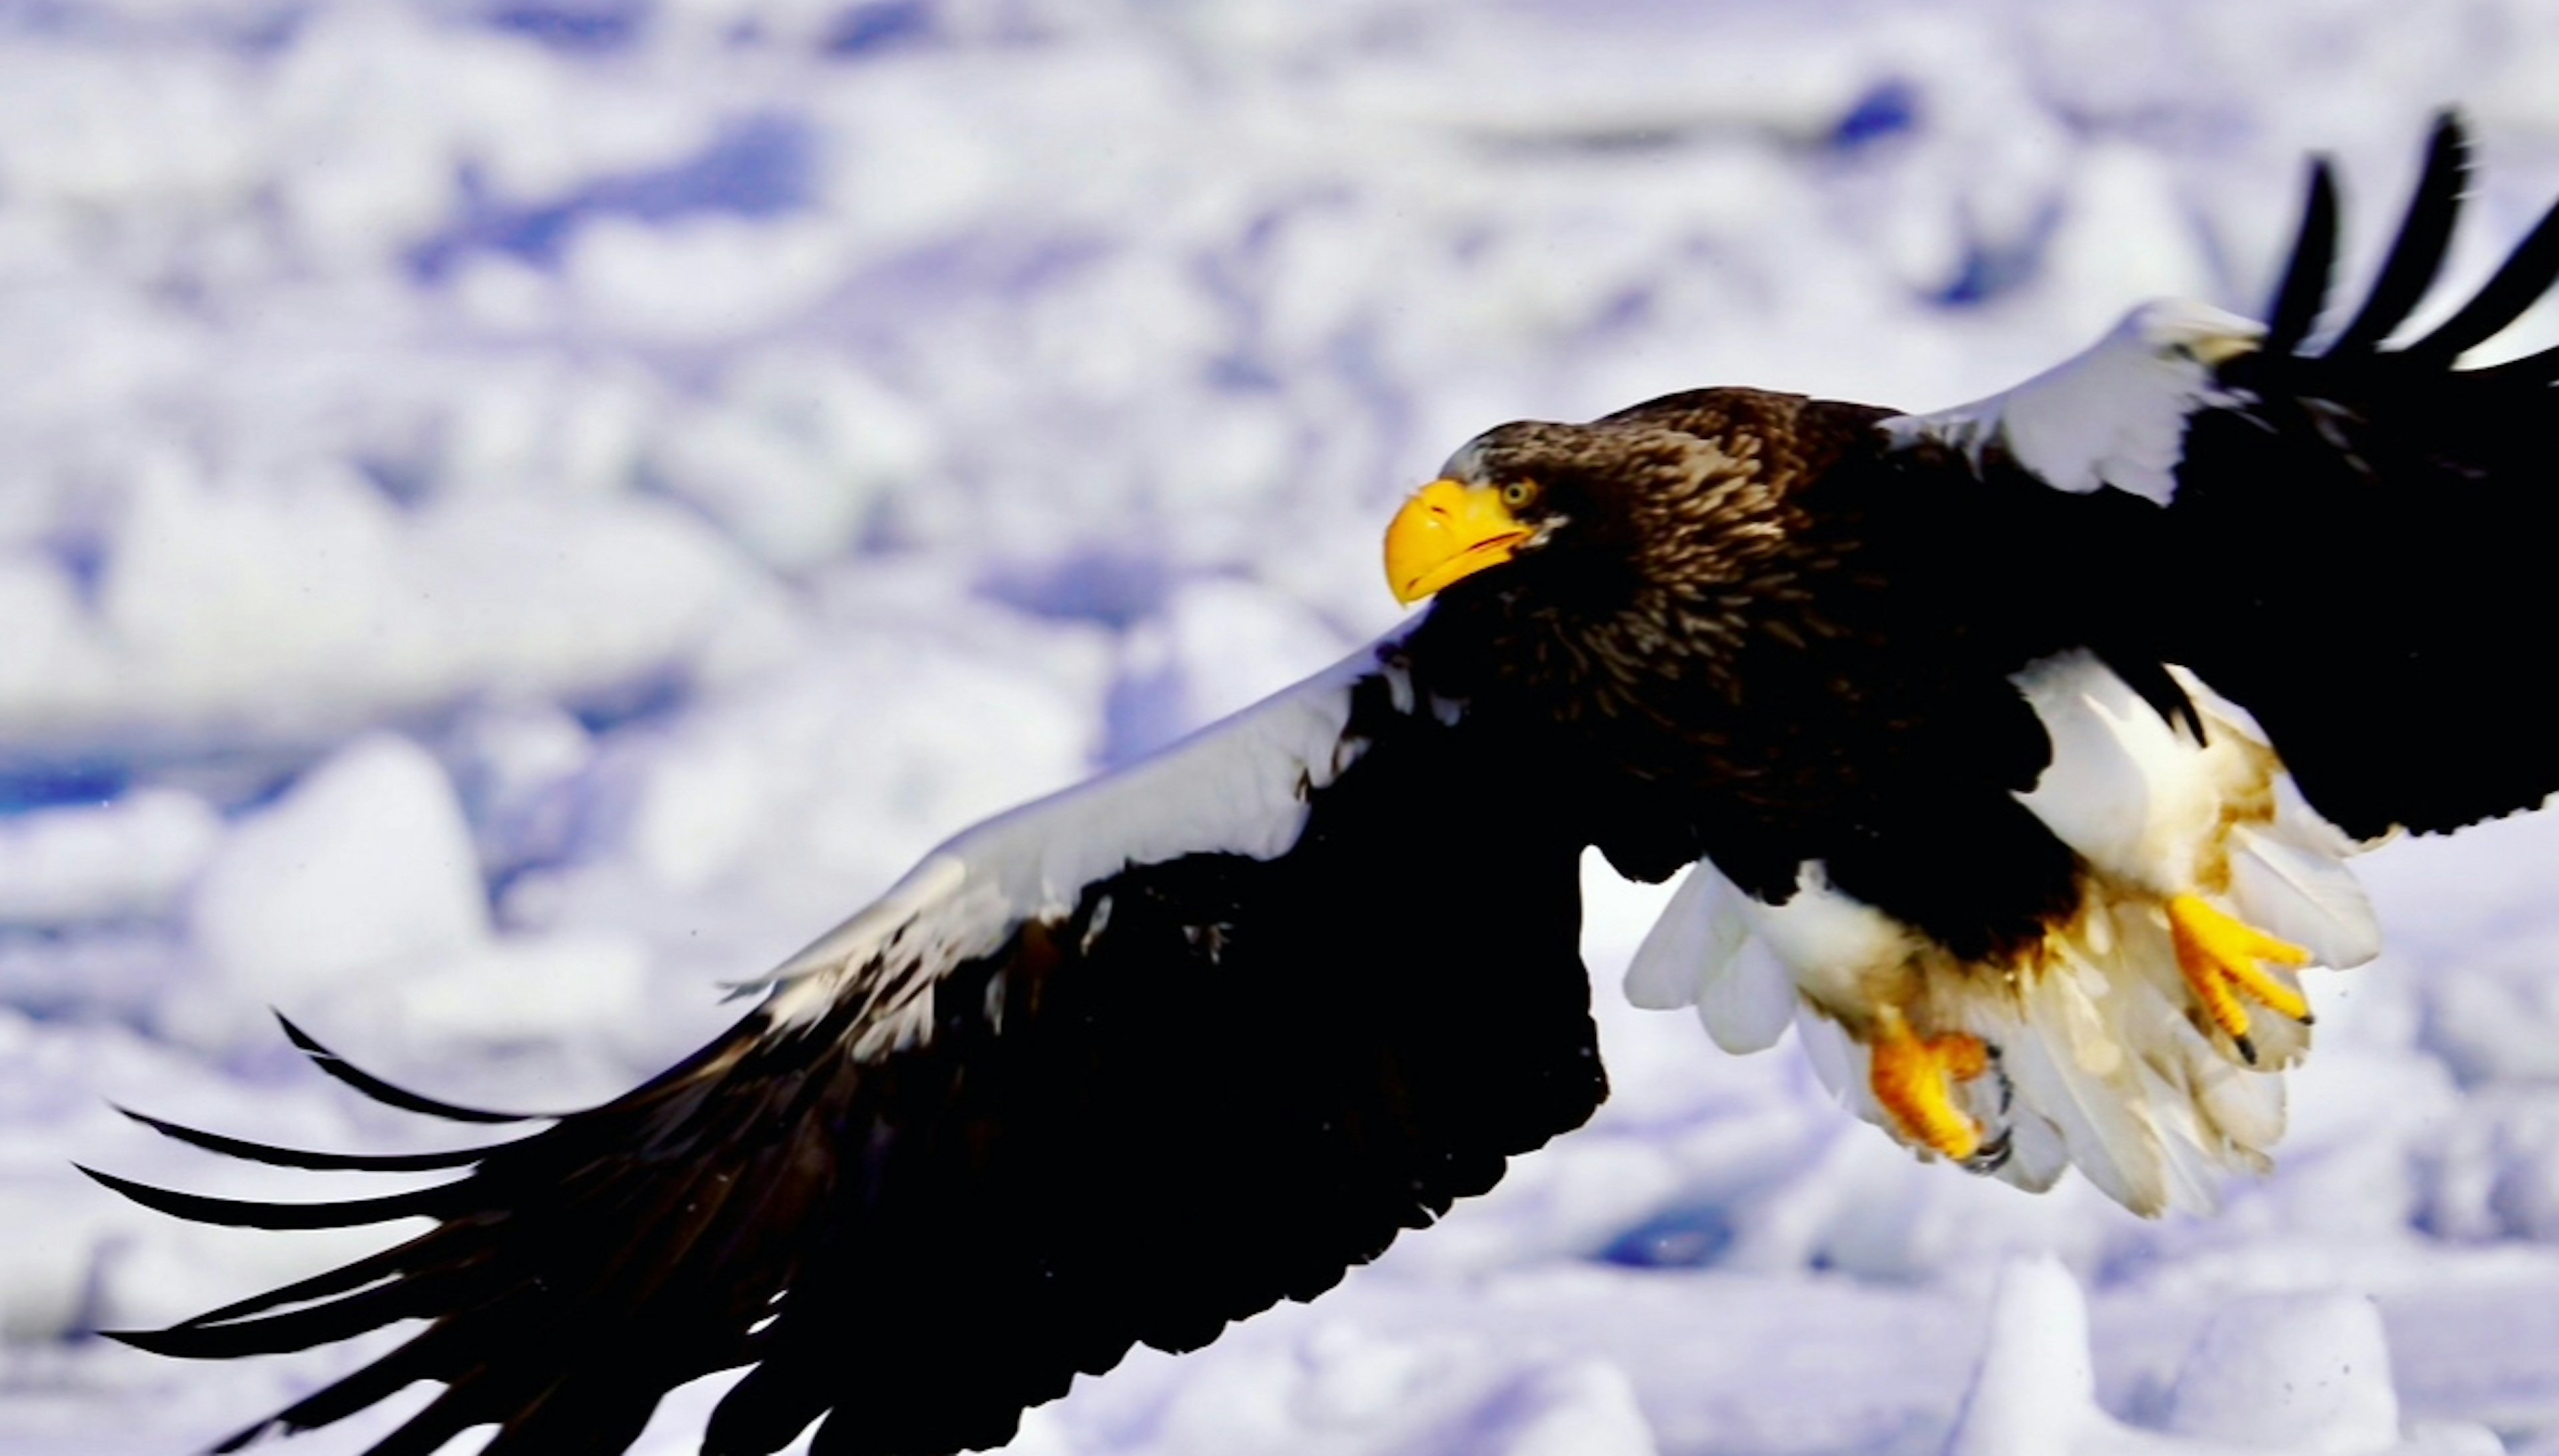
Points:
x=2013, y=752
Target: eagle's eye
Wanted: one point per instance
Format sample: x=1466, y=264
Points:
x=1519, y=495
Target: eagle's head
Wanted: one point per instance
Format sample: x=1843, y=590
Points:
x=1616, y=501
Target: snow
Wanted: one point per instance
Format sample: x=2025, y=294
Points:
x=514, y=514
x=364, y=863
x=2306, y=1374
x=2308, y=1369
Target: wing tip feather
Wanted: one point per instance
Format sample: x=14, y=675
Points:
x=2301, y=294
x=275, y=1155
x=2416, y=254
x=2411, y=268
x=390, y=1094
x=231, y=1212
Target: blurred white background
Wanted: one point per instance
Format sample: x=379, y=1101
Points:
x=513, y=511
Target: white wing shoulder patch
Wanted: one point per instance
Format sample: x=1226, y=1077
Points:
x=1239, y=785
x=2112, y=416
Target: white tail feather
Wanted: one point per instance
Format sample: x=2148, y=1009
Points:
x=2304, y=896
x=1696, y=932
x=2069, y=1068
x=1751, y=1003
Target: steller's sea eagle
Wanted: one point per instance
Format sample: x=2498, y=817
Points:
x=2014, y=752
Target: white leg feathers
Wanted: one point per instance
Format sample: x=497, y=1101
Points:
x=2142, y=1041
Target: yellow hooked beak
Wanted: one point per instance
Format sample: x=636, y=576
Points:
x=1446, y=533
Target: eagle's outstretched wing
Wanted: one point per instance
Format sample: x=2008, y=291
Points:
x=2351, y=536
x=1119, y=1067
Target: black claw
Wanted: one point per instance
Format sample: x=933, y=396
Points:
x=2248, y=1047
x=1992, y=1155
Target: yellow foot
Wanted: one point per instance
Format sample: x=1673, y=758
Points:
x=1914, y=1078
x=2220, y=956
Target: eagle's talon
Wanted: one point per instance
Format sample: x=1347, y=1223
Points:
x=2222, y=958
x=1914, y=1077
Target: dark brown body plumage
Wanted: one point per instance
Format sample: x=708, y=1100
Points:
x=1767, y=642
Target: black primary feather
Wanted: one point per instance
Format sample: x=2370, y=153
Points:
x=2519, y=284
x=2417, y=254
x=2359, y=544
x=2295, y=309
x=245, y=1214
x=385, y=1092
x=2532, y=370
x=285, y=1157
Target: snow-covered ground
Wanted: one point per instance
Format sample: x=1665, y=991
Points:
x=512, y=513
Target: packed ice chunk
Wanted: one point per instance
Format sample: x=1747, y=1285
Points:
x=2280, y=1374
x=1363, y=1386
x=365, y=864
x=2035, y=1393
x=795, y=454
x=131, y=858
x=2499, y=1019
x=2293, y=1372
x=1586, y=1408
x=524, y=991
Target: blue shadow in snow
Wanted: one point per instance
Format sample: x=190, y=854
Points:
x=645, y=699
x=30, y=786
x=1889, y=108
x=564, y=25
x=1114, y=588
x=884, y=25
x=1995, y=267
x=757, y=167
x=1144, y=711
x=1678, y=1238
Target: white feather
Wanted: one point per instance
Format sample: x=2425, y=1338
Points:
x=1840, y=1063
x=2112, y=416
x=1751, y=1004
x=2288, y=874
x=2066, y=1064
x=1831, y=942
x=1696, y=933
x=1238, y=786
x=2127, y=791
x=1700, y=952
x=2244, y=1105
x=2037, y=1156
x=2301, y=896
x=2304, y=827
